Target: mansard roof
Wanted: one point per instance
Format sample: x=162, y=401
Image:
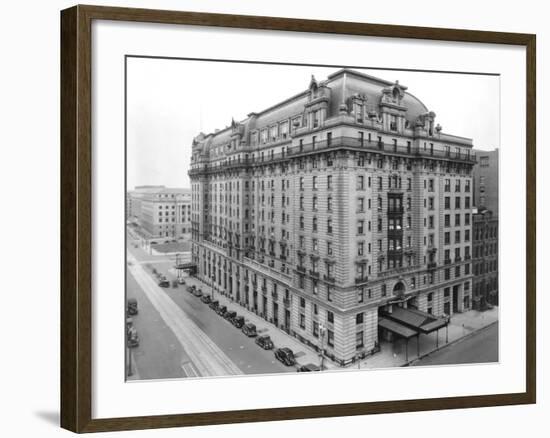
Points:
x=342, y=85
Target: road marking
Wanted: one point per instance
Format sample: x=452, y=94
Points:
x=206, y=356
x=189, y=369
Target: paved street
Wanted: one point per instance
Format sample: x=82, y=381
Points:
x=159, y=355
x=183, y=337
x=197, y=342
x=480, y=347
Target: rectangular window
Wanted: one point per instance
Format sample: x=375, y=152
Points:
x=359, y=340
x=330, y=338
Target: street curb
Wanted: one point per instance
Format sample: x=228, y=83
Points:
x=449, y=344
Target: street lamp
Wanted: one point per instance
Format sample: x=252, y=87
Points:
x=322, y=331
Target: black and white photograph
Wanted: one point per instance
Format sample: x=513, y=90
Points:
x=285, y=218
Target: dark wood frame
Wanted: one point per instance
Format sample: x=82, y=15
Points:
x=76, y=217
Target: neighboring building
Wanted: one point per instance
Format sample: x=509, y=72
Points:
x=486, y=181
x=485, y=260
x=133, y=201
x=326, y=212
x=485, y=245
x=162, y=212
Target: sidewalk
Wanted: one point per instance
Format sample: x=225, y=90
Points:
x=304, y=354
x=461, y=325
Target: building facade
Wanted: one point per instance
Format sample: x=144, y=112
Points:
x=486, y=181
x=485, y=260
x=333, y=206
x=161, y=212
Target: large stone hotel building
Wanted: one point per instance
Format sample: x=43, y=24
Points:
x=327, y=212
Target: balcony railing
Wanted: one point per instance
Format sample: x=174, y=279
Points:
x=301, y=268
x=362, y=279
x=324, y=146
x=432, y=265
x=395, y=210
x=286, y=302
x=314, y=273
x=329, y=278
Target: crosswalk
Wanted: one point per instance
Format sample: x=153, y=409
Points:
x=207, y=358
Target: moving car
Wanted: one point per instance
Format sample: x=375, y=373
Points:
x=221, y=310
x=181, y=280
x=229, y=315
x=206, y=299
x=238, y=321
x=132, y=306
x=163, y=282
x=265, y=342
x=214, y=304
x=309, y=367
x=286, y=356
x=250, y=330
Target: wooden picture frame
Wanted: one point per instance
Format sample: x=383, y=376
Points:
x=76, y=217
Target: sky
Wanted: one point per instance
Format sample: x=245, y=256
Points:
x=171, y=101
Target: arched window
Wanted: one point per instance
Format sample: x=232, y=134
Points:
x=399, y=289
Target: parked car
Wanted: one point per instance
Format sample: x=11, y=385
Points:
x=286, y=356
x=132, y=306
x=250, y=330
x=309, y=367
x=197, y=292
x=206, y=299
x=265, y=342
x=181, y=280
x=190, y=289
x=229, y=315
x=221, y=310
x=238, y=321
x=132, y=337
x=214, y=304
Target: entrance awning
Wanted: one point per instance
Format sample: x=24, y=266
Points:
x=416, y=320
x=396, y=328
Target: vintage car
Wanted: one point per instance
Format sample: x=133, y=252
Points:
x=265, y=342
x=250, y=330
x=309, y=367
x=238, y=321
x=131, y=307
x=286, y=356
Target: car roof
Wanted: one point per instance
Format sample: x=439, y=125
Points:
x=286, y=349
